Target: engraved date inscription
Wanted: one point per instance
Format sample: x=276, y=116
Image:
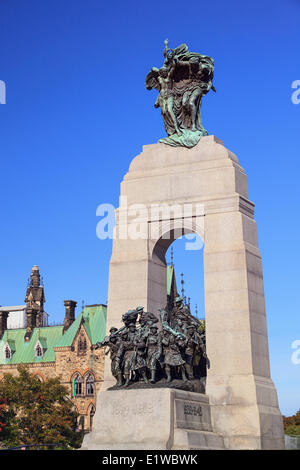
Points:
x=194, y=410
x=140, y=409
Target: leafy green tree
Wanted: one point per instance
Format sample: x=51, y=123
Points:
x=3, y=417
x=292, y=424
x=36, y=412
x=8, y=431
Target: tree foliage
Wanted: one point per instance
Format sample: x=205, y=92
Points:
x=292, y=424
x=6, y=431
x=35, y=412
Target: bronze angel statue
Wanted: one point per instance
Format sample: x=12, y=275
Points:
x=182, y=81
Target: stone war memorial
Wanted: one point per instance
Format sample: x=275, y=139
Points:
x=169, y=383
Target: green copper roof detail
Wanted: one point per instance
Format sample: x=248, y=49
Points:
x=24, y=352
x=93, y=318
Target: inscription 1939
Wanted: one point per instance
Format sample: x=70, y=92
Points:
x=194, y=410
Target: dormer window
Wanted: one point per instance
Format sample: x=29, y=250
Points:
x=9, y=349
x=7, y=352
x=38, y=350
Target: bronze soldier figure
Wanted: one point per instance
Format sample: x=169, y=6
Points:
x=112, y=342
x=154, y=351
x=138, y=363
x=193, y=343
x=172, y=354
x=146, y=319
x=126, y=351
x=176, y=348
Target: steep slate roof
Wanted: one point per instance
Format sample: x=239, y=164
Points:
x=94, y=321
x=24, y=352
x=93, y=318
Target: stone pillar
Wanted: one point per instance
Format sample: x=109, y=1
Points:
x=3, y=322
x=242, y=395
x=209, y=180
x=70, y=306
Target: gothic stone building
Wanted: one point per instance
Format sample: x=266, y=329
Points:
x=63, y=351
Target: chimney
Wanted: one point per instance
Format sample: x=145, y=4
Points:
x=70, y=314
x=3, y=322
x=30, y=322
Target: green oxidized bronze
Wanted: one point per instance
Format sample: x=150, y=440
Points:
x=182, y=81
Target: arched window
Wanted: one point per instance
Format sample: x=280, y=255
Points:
x=92, y=413
x=81, y=423
x=89, y=385
x=38, y=350
x=82, y=345
x=77, y=386
x=39, y=377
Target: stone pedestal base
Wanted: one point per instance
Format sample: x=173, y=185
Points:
x=156, y=419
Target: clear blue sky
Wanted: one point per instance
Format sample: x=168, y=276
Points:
x=77, y=112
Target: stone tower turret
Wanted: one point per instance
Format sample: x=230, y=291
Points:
x=35, y=299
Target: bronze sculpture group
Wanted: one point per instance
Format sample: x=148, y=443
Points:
x=156, y=351
x=182, y=81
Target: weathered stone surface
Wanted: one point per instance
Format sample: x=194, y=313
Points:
x=152, y=419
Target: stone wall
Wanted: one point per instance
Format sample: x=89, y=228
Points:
x=70, y=362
